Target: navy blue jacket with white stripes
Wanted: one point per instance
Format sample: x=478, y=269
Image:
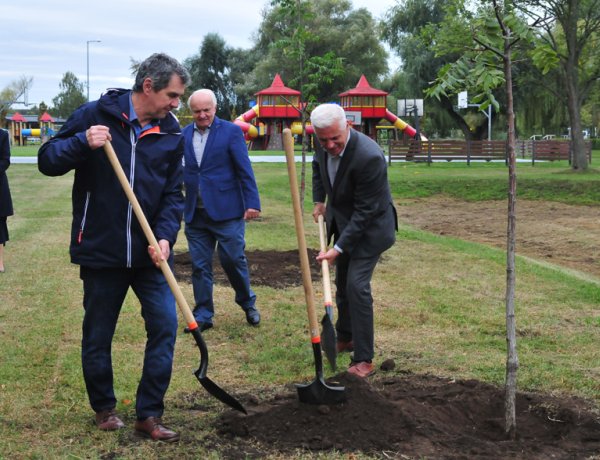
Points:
x=104, y=230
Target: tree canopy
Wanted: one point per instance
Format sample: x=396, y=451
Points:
x=70, y=97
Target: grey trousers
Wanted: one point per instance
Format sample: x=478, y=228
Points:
x=355, y=303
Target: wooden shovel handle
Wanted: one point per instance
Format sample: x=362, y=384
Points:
x=288, y=146
x=324, y=263
x=139, y=213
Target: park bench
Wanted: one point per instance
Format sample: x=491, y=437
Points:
x=448, y=150
x=552, y=150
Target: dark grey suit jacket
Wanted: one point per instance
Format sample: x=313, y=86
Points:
x=360, y=211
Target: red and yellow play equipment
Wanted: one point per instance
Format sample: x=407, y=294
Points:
x=278, y=107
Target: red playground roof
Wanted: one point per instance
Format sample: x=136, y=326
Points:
x=277, y=87
x=46, y=118
x=363, y=89
x=18, y=117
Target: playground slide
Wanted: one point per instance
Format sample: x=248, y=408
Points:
x=401, y=125
x=242, y=121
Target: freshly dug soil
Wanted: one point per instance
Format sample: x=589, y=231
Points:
x=422, y=416
x=412, y=416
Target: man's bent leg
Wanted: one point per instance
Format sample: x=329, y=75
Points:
x=201, y=245
x=360, y=301
x=231, y=246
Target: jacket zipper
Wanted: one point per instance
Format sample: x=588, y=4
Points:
x=130, y=207
x=83, y=219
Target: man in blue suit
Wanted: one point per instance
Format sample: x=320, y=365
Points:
x=221, y=194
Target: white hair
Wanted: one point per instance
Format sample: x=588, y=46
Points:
x=203, y=91
x=328, y=115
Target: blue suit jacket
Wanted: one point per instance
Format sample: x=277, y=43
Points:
x=225, y=174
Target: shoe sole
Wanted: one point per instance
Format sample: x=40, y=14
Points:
x=144, y=435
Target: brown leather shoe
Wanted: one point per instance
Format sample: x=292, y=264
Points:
x=344, y=346
x=107, y=420
x=362, y=369
x=153, y=428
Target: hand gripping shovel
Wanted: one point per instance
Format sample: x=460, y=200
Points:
x=317, y=392
x=207, y=383
x=327, y=331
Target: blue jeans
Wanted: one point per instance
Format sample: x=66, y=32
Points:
x=104, y=291
x=203, y=234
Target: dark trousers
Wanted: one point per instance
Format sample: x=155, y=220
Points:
x=104, y=293
x=355, y=303
x=203, y=234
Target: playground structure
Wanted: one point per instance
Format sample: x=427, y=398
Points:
x=29, y=129
x=278, y=107
x=366, y=106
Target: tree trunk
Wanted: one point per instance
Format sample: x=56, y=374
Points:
x=512, y=360
x=570, y=68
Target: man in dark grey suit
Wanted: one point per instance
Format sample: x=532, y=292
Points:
x=350, y=188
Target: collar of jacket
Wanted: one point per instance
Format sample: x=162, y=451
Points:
x=116, y=102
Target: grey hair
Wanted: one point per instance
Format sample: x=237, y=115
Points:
x=159, y=68
x=203, y=91
x=328, y=115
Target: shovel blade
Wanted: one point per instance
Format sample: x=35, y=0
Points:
x=328, y=339
x=318, y=392
x=219, y=393
x=207, y=383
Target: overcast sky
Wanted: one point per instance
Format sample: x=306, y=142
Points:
x=46, y=38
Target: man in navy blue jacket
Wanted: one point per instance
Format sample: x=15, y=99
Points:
x=108, y=242
x=220, y=195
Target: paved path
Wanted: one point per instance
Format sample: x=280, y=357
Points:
x=253, y=159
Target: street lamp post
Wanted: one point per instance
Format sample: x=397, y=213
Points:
x=87, y=43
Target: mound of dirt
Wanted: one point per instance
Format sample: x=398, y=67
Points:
x=412, y=416
x=422, y=416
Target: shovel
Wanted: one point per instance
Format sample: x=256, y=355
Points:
x=200, y=374
x=317, y=392
x=328, y=331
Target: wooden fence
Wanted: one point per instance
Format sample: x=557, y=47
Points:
x=448, y=150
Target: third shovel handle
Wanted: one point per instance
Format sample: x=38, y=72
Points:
x=324, y=263
x=288, y=146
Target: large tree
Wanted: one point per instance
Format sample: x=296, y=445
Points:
x=70, y=97
x=328, y=26
x=411, y=30
x=211, y=69
x=569, y=38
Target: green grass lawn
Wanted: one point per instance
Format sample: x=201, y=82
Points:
x=439, y=309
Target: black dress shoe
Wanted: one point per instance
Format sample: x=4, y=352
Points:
x=203, y=327
x=253, y=316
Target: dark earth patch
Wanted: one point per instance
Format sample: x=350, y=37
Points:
x=276, y=269
x=407, y=416
x=412, y=416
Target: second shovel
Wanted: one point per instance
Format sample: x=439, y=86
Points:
x=328, y=338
